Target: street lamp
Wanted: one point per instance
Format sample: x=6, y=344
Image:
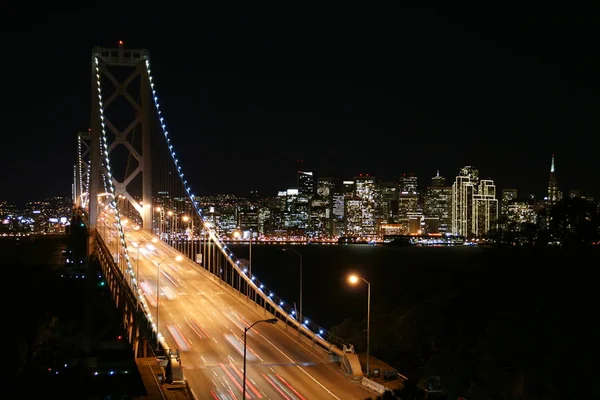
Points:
x=250, y=254
x=250, y=265
x=354, y=279
x=300, y=316
x=185, y=244
x=271, y=321
x=176, y=258
x=159, y=210
x=170, y=237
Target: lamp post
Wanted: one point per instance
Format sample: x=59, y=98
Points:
x=176, y=258
x=271, y=321
x=186, y=244
x=300, y=316
x=250, y=266
x=170, y=237
x=159, y=210
x=250, y=254
x=353, y=279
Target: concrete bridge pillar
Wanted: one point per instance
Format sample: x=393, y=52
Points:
x=133, y=326
x=135, y=340
x=116, y=292
x=91, y=243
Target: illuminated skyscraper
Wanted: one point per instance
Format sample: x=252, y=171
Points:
x=554, y=194
x=438, y=181
x=438, y=203
x=306, y=183
x=407, y=184
x=321, y=208
x=474, y=204
x=508, y=195
x=366, y=191
x=462, y=204
x=485, y=208
x=388, y=206
x=408, y=199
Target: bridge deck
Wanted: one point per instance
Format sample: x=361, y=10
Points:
x=149, y=371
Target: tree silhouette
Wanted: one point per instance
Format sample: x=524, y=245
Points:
x=574, y=222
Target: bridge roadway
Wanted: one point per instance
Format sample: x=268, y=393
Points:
x=205, y=319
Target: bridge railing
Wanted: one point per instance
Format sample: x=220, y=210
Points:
x=128, y=291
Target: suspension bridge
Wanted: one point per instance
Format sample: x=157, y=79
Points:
x=185, y=297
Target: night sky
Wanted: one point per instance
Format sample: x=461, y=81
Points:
x=383, y=92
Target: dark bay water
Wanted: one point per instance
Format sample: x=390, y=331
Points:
x=28, y=251
x=400, y=276
x=410, y=276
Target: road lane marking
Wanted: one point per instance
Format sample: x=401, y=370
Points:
x=276, y=387
x=289, y=386
x=249, y=384
x=299, y=367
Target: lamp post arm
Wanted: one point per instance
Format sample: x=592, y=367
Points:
x=245, y=336
x=168, y=258
x=368, y=327
x=301, y=289
x=244, y=378
x=250, y=327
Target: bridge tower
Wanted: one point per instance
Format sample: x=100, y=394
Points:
x=122, y=111
x=81, y=185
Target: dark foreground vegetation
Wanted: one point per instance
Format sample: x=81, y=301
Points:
x=46, y=326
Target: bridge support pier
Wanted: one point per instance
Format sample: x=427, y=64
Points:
x=91, y=243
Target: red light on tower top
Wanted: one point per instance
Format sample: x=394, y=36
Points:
x=120, y=43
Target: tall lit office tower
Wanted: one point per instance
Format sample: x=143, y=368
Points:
x=508, y=195
x=408, y=198
x=407, y=184
x=321, y=208
x=462, y=205
x=388, y=206
x=306, y=184
x=485, y=208
x=438, y=203
x=554, y=193
x=463, y=190
x=472, y=173
x=348, y=188
x=438, y=181
x=337, y=205
x=365, y=187
x=366, y=191
x=306, y=190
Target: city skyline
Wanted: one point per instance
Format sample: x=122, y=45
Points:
x=435, y=90
x=422, y=183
